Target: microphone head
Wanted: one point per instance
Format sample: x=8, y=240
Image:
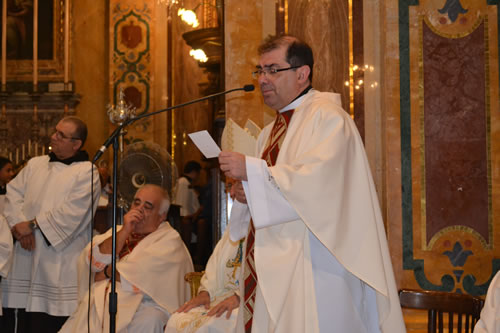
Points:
x=248, y=87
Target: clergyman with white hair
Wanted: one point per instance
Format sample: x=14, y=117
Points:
x=152, y=262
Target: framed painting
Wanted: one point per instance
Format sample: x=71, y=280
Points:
x=20, y=35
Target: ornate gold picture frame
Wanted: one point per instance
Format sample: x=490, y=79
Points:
x=20, y=40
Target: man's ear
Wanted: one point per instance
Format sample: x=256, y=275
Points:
x=304, y=72
x=163, y=216
x=77, y=145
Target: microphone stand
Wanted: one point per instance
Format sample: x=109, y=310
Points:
x=113, y=297
x=113, y=139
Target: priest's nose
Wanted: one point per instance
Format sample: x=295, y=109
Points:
x=140, y=208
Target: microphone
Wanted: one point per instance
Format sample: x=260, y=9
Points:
x=248, y=87
x=107, y=143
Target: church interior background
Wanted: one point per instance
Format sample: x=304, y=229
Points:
x=419, y=77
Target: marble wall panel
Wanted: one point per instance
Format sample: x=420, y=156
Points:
x=246, y=24
x=358, y=58
x=161, y=82
x=444, y=100
x=188, y=82
x=89, y=41
x=390, y=128
x=455, y=133
x=373, y=112
x=324, y=25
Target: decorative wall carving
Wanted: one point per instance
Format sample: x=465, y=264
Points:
x=131, y=63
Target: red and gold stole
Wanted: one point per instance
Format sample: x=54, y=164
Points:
x=270, y=155
x=130, y=243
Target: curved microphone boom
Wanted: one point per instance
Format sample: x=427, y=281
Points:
x=107, y=143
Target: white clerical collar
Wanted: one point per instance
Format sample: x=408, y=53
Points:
x=295, y=103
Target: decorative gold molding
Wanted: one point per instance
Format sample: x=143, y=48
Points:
x=457, y=35
x=421, y=92
x=487, y=87
x=458, y=228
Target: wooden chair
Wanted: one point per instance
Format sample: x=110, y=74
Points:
x=437, y=303
x=194, y=279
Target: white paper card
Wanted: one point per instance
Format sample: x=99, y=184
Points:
x=205, y=144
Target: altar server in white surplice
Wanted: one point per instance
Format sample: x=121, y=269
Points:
x=48, y=207
x=150, y=271
x=6, y=252
x=316, y=258
x=6, y=174
x=6, y=244
x=490, y=314
x=215, y=308
x=187, y=199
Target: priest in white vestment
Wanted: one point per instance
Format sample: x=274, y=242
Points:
x=215, y=308
x=490, y=314
x=150, y=271
x=320, y=253
x=48, y=208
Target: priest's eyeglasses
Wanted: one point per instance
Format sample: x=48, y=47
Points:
x=270, y=71
x=60, y=136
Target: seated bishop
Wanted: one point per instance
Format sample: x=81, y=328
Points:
x=151, y=263
x=215, y=308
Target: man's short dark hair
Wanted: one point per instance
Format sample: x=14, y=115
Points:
x=192, y=166
x=4, y=161
x=81, y=128
x=297, y=54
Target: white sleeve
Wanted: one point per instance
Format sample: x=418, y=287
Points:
x=238, y=221
x=14, y=199
x=99, y=260
x=267, y=204
x=126, y=286
x=179, y=196
x=490, y=314
x=59, y=224
x=183, y=197
x=6, y=247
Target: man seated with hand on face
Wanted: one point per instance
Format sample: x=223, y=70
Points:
x=152, y=262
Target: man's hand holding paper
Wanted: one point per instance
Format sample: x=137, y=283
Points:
x=233, y=165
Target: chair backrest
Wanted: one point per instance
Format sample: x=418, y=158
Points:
x=194, y=279
x=466, y=307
